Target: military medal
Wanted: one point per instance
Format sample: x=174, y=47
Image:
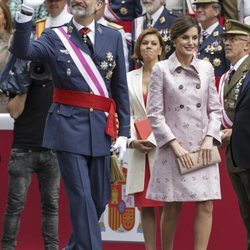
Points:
x=104, y=65
x=206, y=59
x=109, y=56
x=219, y=48
x=108, y=64
x=167, y=48
x=123, y=10
x=212, y=49
x=238, y=86
x=165, y=37
x=201, y=39
x=231, y=105
x=217, y=62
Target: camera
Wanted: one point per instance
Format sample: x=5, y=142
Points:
x=39, y=71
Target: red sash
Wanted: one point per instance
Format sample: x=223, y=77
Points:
x=86, y=100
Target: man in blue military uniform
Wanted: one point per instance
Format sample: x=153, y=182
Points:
x=123, y=12
x=211, y=47
x=88, y=71
x=158, y=17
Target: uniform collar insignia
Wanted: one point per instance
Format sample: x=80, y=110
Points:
x=162, y=19
x=245, y=67
x=99, y=29
x=70, y=29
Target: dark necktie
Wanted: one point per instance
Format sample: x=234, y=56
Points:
x=84, y=32
x=149, y=22
x=204, y=35
x=231, y=75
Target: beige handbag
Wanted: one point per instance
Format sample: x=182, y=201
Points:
x=215, y=159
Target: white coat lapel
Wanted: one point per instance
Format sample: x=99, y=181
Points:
x=137, y=85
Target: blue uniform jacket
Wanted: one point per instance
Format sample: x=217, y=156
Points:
x=163, y=25
x=68, y=128
x=126, y=10
x=212, y=50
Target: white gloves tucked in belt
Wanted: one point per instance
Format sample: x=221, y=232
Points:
x=120, y=146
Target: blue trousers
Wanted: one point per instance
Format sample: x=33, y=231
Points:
x=87, y=184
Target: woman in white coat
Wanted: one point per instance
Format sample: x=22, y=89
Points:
x=149, y=49
x=184, y=111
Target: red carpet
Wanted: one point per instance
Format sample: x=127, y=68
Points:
x=227, y=233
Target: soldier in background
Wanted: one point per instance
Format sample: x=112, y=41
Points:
x=123, y=13
x=237, y=48
x=230, y=9
x=211, y=47
x=158, y=17
x=99, y=17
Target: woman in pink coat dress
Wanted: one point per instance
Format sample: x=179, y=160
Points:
x=184, y=111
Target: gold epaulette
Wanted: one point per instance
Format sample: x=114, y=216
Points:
x=115, y=26
x=41, y=20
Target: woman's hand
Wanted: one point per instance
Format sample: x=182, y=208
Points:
x=182, y=154
x=143, y=146
x=205, y=152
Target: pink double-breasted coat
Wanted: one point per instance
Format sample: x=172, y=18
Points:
x=183, y=104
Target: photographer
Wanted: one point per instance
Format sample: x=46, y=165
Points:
x=28, y=156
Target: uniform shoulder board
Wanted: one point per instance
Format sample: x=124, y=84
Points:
x=114, y=26
x=41, y=20
x=174, y=13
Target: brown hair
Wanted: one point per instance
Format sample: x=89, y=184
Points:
x=181, y=25
x=149, y=31
x=7, y=16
